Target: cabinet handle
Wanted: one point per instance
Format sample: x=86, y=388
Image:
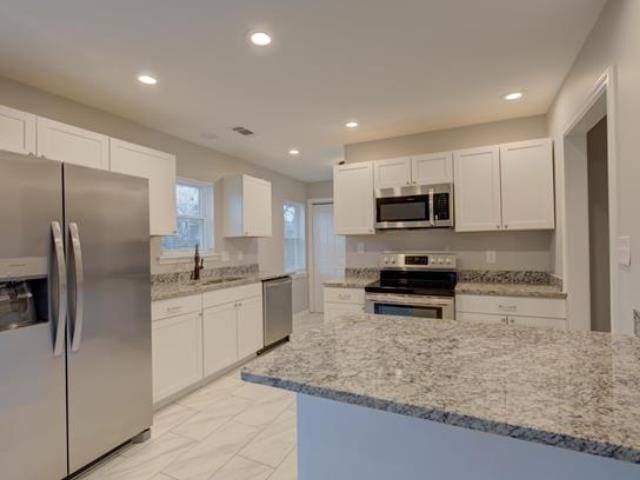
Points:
x=504, y=320
x=174, y=309
x=510, y=308
x=498, y=227
x=511, y=320
x=506, y=226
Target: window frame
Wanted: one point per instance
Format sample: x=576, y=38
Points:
x=301, y=231
x=208, y=249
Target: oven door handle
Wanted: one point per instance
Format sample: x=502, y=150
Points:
x=432, y=220
x=409, y=302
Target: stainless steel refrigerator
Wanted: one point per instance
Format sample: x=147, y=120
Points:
x=75, y=321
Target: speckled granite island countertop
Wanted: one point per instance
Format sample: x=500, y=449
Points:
x=576, y=391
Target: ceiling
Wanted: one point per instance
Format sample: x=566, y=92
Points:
x=398, y=67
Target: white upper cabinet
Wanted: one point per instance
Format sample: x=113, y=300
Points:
x=429, y=169
x=477, y=189
x=527, y=185
x=432, y=168
x=392, y=173
x=66, y=143
x=160, y=169
x=247, y=206
x=353, y=199
x=17, y=131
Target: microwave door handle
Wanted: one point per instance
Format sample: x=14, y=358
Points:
x=431, y=212
x=78, y=310
x=58, y=248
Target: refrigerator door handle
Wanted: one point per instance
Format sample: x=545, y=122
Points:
x=58, y=247
x=78, y=308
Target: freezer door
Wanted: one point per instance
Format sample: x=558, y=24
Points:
x=32, y=377
x=109, y=327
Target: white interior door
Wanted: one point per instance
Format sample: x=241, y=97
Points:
x=328, y=252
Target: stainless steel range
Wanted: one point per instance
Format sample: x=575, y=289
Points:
x=414, y=284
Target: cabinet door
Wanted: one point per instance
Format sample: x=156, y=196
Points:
x=539, y=322
x=257, y=207
x=432, y=169
x=220, y=337
x=250, y=327
x=477, y=189
x=353, y=199
x=177, y=354
x=17, y=131
x=480, y=318
x=66, y=143
x=392, y=173
x=160, y=169
x=526, y=170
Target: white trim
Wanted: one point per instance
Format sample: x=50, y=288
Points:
x=310, y=260
x=306, y=220
x=606, y=85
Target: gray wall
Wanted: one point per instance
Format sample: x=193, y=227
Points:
x=193, y=161
x=449, y=139
x=514, y=250
x=613, y=42
x=320, y=190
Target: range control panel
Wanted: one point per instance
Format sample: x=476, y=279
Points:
x=419, y=260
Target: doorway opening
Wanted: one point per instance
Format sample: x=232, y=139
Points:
x=326, y=251
x=590, y=207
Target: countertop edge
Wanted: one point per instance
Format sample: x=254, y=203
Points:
x=568, y=442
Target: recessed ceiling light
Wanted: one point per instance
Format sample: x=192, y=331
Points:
x=261, y=39
x=294, y=151
x=351, y=124
x=147, y=79
x=513, y=96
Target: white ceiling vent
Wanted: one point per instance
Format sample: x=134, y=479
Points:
x=242, y=131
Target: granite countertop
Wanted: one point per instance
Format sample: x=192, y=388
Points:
x=349, y=282
x=573, y=390
x=510, y=290
x=168, y=290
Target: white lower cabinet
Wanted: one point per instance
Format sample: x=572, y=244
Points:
x=198, y=336
x=342, y=301
x=250, y=328
x=219, y=327
x=177, y=354
x=525, y=311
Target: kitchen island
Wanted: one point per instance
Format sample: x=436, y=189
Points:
x=393, y=397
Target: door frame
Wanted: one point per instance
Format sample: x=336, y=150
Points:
x=600, y=101
x=311, y=263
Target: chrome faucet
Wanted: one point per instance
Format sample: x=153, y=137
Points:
x=198, y=264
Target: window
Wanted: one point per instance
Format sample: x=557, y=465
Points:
x=295, y=249
x=194, y=218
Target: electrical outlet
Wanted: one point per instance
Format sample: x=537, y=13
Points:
x=240, y=256
x=360, y=247
x=491, y=256
x=636, y=322
x=225, y=256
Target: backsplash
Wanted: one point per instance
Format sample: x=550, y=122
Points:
x=207, y=273
x=525, y=251
x=505, y=277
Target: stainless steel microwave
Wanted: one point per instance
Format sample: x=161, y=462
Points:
x=420, y=206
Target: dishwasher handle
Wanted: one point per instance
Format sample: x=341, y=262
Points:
x=276, y=282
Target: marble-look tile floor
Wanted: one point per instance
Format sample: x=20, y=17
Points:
x=227, y=430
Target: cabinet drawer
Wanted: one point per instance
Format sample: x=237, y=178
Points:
x=344, y=295
x=233, y=294
x=175, y=306
x=521, y=306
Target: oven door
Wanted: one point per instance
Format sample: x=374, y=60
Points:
x=411, y=306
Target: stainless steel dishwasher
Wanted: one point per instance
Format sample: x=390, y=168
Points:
x=278, y=310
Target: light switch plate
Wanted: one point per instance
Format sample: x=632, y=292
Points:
x=624, y=251
x=491, y=256
x=225, y=256
x=636, y=322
